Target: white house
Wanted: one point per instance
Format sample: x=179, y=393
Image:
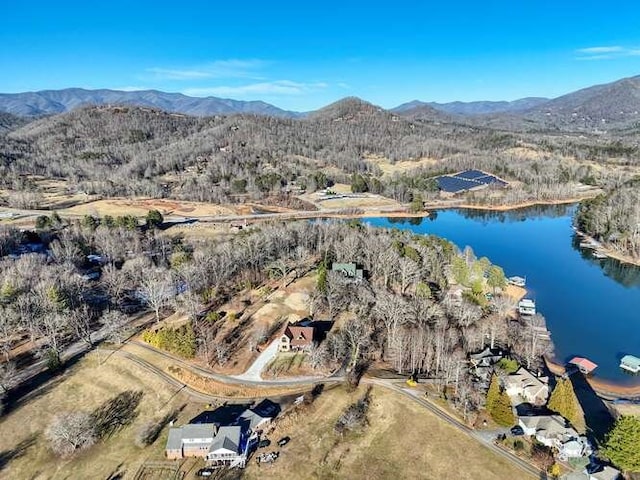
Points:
x=553, y=431
x=527, y=387
x=225, y=448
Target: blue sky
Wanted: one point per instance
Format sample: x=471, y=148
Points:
x=303, y=55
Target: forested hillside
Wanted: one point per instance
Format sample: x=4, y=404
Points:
x=125, y=151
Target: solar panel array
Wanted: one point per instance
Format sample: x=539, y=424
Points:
x=466, y=181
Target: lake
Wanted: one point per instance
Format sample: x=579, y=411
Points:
x=592, y=307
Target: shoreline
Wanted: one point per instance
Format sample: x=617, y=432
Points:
x=604, y=388
x=609, y=252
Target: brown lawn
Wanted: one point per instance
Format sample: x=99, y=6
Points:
x=84, y=387
x=402, y=440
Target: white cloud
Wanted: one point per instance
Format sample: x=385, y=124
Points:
x=600, y=50
x=216, y=69
x=606, y=52
x=278, y=87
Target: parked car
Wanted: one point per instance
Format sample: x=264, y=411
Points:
x=517, y=430
x=205, y=472
x=265, y=442
x=283, y=441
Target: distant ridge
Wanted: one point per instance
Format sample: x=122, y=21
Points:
x=47, y=102
x=473, y=108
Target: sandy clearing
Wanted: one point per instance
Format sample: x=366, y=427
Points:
x=297, y=301
x=140, y=207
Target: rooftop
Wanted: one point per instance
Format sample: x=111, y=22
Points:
x=550, y=425
x=631, y=361
x=583, y=363
x=191, y=433
x=227, y=438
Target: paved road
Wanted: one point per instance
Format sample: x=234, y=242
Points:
x=205, y=372
x=256, y=368
x=483, y=437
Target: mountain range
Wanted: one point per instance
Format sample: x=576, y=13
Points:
x=615, y=104
x=47, y=102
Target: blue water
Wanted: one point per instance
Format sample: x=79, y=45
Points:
x=592, y=306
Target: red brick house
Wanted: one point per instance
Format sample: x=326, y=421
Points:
x=296, y=338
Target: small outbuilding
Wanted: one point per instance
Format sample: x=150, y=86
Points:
x=630, y=364
x=585, y=365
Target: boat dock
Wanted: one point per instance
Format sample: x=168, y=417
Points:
x=630, y=364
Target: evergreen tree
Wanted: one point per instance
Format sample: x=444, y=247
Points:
x=564, y=402
x=498, y=404
x=493, y=393
x=154, y=218
x=496, y=278
x=621, y=445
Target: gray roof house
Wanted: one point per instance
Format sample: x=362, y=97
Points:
x=553, y=431
x=349, y=270
x=485, y=358
x=225, y=448
x=525, y=386
x=604, y=473
x=251, y=421
x=191, y=440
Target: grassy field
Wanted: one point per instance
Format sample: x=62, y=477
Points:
x=24, y=453
x=402, y=440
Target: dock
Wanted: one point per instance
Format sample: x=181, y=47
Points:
x=630, y=364
x=585, y=365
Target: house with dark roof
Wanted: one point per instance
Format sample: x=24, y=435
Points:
x=296, y=338
x=223, y=436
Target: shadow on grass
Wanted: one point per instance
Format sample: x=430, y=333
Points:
x=17, y=451
x=116, y=413
x=596, y=414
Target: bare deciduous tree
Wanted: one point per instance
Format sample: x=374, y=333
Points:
x=70, y=432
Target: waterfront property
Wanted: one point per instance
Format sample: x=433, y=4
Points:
x=585, y=365
x=630, y=364
x=553, y=431
x=523, y=386
x=517, y=281
x=526, y=306
x=569, y=285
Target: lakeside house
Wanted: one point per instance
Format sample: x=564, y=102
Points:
x=601, y=472
x=296, y=338
x=630, y=363
x=526, y=306
x=348, y=270
x=526, y=386
x=553, y=431
x=485, y=358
